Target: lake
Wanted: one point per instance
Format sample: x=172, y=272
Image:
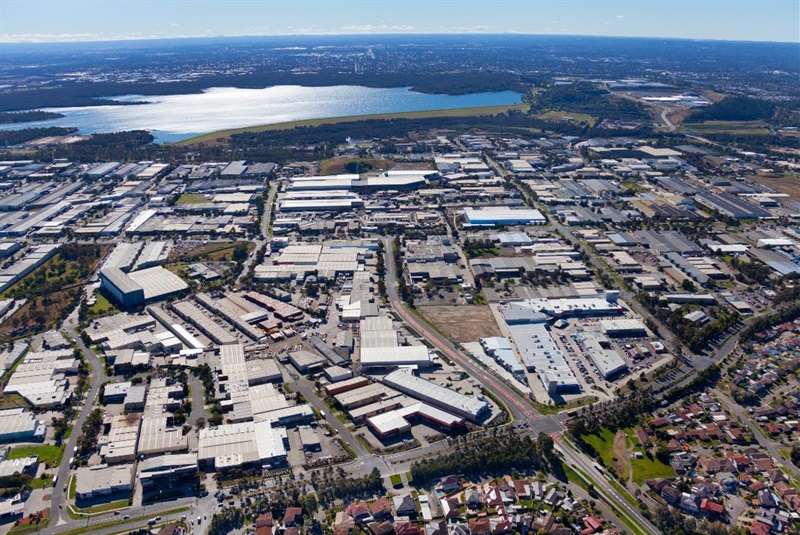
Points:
x=175, y=117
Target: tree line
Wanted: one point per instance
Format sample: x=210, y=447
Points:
x=495, y=454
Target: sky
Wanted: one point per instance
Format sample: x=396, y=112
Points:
x=102, y=20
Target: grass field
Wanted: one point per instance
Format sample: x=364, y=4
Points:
x=336, y=166
x=221, y=135
x=462, y=323
x=12, y=401
x=80, y=512
x=112, y=523
x=192, y=198
x=644, y=469
x=556, y=116
x=603, y=443
x=744, y=128
x=50, y=455
x=396, y=480
x=102, y=306
x=571, y=404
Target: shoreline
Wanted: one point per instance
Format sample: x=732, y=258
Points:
x=446, y=112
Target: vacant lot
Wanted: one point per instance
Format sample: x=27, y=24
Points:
x=50, y=455
x=337, y=166
x=557, y=116
x=192, y=198
x=52, y=290
x=787, y=183
x=742, y=128
x=464, y=323
x=220, y=251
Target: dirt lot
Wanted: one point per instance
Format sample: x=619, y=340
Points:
x=789, y=184
x=465, y=323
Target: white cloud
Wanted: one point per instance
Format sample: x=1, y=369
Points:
x=377, y=28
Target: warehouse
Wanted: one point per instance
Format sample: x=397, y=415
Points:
x=470, y=407
x=305, y=361
x=119, y=446
x=335, y=374
x=359, y=397
x=392, y=357
x=539, y=352
x=194, y=315
x=41, y=378
x=157, y=436
x=93, y=482
x=154, y=253
x=158, y=283
x=25, y=465
x=607, y=361
x=17, y=424
x=399, y=421
x=332, y=355
x=123, y=256
x=346, y=385
x=623, y=328
x=263, y=370
x=167, y=471
x=309, y=438
x=731, y=205
x=133, y=289
x=242, y=444
x=503, y=216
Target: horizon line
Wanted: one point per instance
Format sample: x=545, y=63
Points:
x=85, y=39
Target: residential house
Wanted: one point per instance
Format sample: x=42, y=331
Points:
x=293, y=517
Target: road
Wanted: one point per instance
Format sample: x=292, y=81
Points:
x=671, y=127
x=97, y=377
x=263, y=232
x=518, y=407
x=303, y=386
x=739, y=412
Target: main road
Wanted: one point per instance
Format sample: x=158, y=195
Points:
x=519, y=408
x=97, y=377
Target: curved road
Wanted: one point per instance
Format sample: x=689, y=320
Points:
x=98, y=377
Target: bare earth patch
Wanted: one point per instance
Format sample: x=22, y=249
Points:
x=622, y=454
x=465, y=323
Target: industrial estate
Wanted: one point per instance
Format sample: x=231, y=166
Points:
x=446, y=331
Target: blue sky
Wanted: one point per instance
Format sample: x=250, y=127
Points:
x=92, y=20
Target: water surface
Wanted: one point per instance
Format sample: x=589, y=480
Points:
x=176, y=117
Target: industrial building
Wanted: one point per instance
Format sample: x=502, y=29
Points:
x=135, y=288
x=93, y=482
x=607, y=361
x=166, y=471
x=399, y=421
x=623, y=328
x=243, y=444
x=489, y=216
x=538, y=351
x=41, y=378
x=470, y=407
x=194, y=315
x=17, y=424
x=380, y=347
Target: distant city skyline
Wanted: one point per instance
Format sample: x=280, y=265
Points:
x=110, y=20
